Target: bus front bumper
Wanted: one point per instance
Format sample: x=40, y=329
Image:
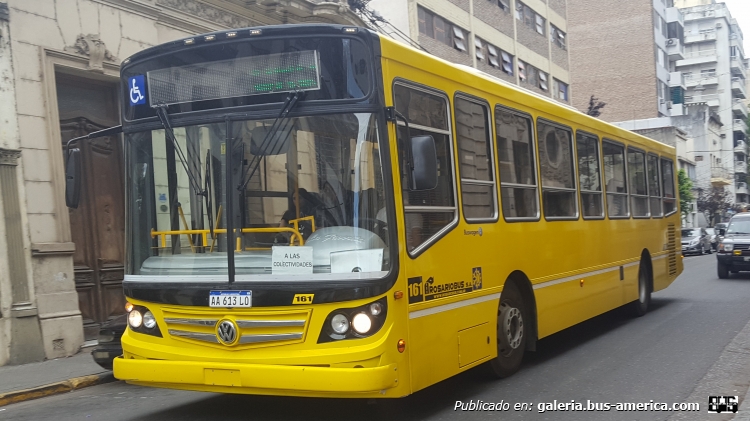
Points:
x=256, y=378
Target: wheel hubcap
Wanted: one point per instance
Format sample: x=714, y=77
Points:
x=512, y=325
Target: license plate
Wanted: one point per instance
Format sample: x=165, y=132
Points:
x=230, y=299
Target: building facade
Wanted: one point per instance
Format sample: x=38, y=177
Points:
x=624, y=53
x=715, y=72
x=523, y=42
x=61, y=270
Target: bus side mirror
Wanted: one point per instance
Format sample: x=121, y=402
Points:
x=424, y=156
x=73, y=178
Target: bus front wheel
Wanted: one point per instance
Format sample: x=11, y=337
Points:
x=512, y=332
x=639, y=307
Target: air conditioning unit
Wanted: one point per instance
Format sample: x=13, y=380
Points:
x=671, y=41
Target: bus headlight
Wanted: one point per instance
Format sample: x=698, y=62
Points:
x=135, y=319
x=142, y=320
x=340, y=324
x=362, y=323
x=148, y=320
x=354, y=323
x=727, y=247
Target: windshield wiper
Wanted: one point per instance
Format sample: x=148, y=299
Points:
x=281, y=119
x=161, y=111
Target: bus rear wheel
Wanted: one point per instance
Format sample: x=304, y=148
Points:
x=511, y=332
x=639, y=307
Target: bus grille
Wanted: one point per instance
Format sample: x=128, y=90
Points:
x=672, y=248
x=256, y=328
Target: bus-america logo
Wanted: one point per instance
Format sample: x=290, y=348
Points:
x=431, y=290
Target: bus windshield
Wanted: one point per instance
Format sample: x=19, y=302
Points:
x=315, y=182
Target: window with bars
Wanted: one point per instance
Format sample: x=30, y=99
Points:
x=476, y=162
x=437, y=28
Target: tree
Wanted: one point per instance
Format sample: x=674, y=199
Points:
x=594, y=106
x=713, y=202
x=685, y=188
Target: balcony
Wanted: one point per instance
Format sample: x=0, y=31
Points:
x=739, y=109
x=698, y=57
x=721, y=177
x=676, y=80
x=705, y=79
x=675, y=49
x=712, y=100
x=740, y=167
x=739, y=125
x=741, y=147
x=700, y=36
x=738, y=88
x=738, y=66
x=675, y=15
x=741, y=188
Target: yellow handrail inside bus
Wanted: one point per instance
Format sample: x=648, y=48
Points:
x=204, y=233
x=184, y=222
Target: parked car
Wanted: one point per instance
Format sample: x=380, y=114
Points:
x=695, y=240
x=109, y=346
x=715, y=238
x=734, y=248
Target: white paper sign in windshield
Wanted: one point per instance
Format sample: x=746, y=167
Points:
x=289, y=260
x=245, y=76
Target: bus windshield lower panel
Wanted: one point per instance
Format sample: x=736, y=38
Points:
x=307, y=200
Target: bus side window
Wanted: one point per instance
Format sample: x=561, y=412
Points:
x=667, y=173
x=557, y=173
x=476, y=164
x=515, y=150
x=426, y=213
x=615, y=179
x=638, y=190
x=654, y=187
x=589, y=175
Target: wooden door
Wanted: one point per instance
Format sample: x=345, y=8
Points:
x=97, y=225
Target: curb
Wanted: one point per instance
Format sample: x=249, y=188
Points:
x=55, y=388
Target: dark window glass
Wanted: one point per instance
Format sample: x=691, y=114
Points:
x=615, y=181
x=475, y=160
x=589, y=175
x=515, y=149
x=654, y=187
x=667, y=172
x=558, y=176
x=638, y=190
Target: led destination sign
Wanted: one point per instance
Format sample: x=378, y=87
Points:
x=255, y=75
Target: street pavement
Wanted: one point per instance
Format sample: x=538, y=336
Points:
x=670, y=355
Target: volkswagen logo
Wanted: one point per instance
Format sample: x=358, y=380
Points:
x=226, y=332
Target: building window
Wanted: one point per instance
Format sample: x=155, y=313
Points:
x=437, y=28
x=533, y=76
x=557, y=172
x=543, y=85
x=557, y=36
x=504, y=5
x=522, y=71
x=515, y=149
x=561, y=90
x=497, y=58
x=530, y=18
x=475, y=160
x=479, y=47
x=678, y=95
x=676, y=31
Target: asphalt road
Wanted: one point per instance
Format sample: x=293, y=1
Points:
x=613, y=358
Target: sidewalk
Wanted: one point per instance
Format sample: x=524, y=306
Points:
x=30, y=381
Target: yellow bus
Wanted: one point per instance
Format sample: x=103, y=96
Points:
x=316, y=210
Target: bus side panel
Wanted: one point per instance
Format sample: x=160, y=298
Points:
x=445, y=343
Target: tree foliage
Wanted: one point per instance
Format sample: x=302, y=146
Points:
x=685, y=188
x=713, y=202
x=594, y=106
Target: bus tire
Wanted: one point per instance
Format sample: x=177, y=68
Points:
x=722, y=270
x=512, y=332
x=639, y=307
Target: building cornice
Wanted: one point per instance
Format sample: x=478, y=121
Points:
x=9, y=156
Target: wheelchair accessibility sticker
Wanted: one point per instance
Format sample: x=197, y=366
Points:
x=137, y=90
